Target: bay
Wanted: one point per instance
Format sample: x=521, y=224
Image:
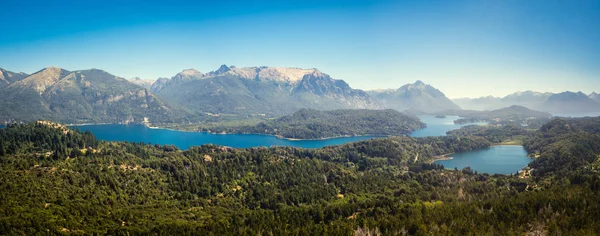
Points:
x=503, y=159
x=184, y=139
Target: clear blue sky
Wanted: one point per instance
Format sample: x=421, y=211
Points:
x=464, y=48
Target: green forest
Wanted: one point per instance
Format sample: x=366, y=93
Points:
x=54, y=180
x=318, y=124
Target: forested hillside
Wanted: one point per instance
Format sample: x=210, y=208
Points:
x=59, y=181
x=316, y=124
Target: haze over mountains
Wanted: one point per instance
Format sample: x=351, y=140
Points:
x=96, y=96
x=594, y=96
x=565, y=102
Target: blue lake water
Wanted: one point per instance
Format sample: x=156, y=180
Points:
x=184, y=140
x=504, y=159
x=439, y=126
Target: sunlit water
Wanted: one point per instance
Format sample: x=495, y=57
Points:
x=184, y=139
x=503, y=159
x=439, y=126
x=496, y=159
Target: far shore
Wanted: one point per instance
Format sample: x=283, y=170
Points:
x=326, y=138
x=84, y=124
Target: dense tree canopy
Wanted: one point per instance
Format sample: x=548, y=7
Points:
x=384, y=185
x=316, y=124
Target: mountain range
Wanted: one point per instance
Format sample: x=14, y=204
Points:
x=565, y=102
x=514, y=112
x=8, y=77
x=268, y=91
x=96, y=96
x=84, y=96
x=418, y=97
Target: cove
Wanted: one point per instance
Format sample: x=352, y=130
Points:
x=185, y=139
x=439, y=126
x=503, y=159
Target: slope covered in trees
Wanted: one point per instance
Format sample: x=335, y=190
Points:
x=315, y=124
x=369, y=186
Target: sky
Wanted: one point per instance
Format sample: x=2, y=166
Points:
x=464, y=48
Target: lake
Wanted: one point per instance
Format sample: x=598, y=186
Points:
x=504, y=159
x=439, y=126
x=184, y=139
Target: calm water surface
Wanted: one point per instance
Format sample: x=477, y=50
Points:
x=439, y=126
x=184, y=140
x=503, y=159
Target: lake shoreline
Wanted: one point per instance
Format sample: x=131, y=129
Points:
x=495, y=159
x=443, y=157
x=179, y=128
x=327, y=138
x=224, y=133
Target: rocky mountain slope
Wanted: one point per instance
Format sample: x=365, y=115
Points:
x=83, y=96
x=9, y=77
x=260, y=90
x=146, y=83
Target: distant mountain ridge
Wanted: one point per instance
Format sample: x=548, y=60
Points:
x=88, y=96
x=565, y=102
x=84, y=96
x=287, y=75
x=146, y=83
x=261, y=90
x=417, y=96
x=9, y=77
x=514, y=112
x=594, y=96
x=570, y=102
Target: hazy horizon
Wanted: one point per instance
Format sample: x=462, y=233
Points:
x=463, y=48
